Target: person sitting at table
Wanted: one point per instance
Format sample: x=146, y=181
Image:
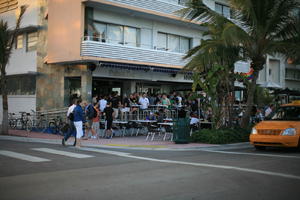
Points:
x=151, y=116
x=159, y=117
x=194, y=119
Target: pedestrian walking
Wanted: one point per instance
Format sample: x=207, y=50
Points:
x=79, y=119
x=71, y=129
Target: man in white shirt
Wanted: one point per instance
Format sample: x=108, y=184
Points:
x=269, y=110
x=102, y=104
x=71, y=123
x=144, y=102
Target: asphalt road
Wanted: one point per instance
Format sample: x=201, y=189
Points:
x=56, y=172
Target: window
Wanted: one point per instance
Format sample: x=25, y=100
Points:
x=116, y=34
x=182, y=2
x=162, y=42
x=31, y=41
x=131, y=36
x=223, y=10
x=173, y=43
x=8, y=5
x=21, y=85
x=19, y=42
x=100, y=32
x=292, y=74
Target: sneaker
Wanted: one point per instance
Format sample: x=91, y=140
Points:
x=63, y=142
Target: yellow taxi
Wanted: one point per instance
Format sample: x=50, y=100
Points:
x=282, y=129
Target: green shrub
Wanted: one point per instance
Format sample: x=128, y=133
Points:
x=221, y=136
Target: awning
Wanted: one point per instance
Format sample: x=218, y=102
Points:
x=270, y=85
x=142, y=67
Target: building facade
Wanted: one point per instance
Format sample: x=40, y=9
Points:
x=69, y=48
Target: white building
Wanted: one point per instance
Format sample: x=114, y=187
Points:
x=87, y=47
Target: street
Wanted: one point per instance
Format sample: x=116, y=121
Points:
x=51, y=171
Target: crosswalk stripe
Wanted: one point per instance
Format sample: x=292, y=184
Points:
x=63, y=153
x=22, y=156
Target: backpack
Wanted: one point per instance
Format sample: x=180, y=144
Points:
x=91, y=112
x=71, y=116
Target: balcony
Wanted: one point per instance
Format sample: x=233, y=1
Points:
x=119, y=52
x=162, y=6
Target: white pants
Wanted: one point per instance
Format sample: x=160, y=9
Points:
x=79, y=130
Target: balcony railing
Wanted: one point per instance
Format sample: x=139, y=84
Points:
x=105, y=48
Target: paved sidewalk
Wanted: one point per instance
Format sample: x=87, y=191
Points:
x=132, y=142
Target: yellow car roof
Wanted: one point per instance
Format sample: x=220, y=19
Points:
x=294, y=103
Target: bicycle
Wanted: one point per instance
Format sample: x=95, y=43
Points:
x=24, y=122
x=39, y=121
x=57, y=125
x=12, y=120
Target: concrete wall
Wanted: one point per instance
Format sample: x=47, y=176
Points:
x=17, y=103
x=65, y=30
x=21, y=61
x=30, y=17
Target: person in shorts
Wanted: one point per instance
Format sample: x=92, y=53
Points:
x=96, y=121
x=89, y=113
x=109, y=116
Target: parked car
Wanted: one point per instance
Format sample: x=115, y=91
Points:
x=281, y=129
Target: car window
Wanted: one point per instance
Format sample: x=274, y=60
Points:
x=287, y=113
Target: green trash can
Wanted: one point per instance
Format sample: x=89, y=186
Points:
x=181, y=131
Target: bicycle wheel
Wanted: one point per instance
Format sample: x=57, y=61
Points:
x=29, y=125
x=63, y=128
x=12, y=123
x=19, y=124
x=53, y=128
x=41, y=125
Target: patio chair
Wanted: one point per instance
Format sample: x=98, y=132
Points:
x=168, y=131
x=153, y=129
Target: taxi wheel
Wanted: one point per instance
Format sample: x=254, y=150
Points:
x=259, y=147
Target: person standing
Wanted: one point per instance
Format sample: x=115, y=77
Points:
x=115, y=104
x=144, y=101
x=90, y=113
x=96, y=121
x=269, y=110
x=109, y=116
x=102, y=103
x=70, y=116
x=78, y=122
x=165, y=101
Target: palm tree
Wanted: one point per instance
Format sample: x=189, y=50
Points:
x=7, y=39
x=213, y=63
x=258, y=27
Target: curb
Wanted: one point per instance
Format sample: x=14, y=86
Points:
x=131, y=147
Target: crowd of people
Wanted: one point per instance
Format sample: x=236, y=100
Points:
x=87, y=115
x=111, y=107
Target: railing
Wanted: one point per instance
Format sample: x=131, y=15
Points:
x=100, y=49
x=131, y=44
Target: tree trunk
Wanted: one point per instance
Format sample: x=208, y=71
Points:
x=250, y=100
x=4, y=127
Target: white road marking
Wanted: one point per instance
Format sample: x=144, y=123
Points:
x=22, y=156
x=252, y=154
x=128, y=155
x=117, y=153
x=63, y=153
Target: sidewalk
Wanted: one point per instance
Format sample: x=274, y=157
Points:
x=129, y=142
